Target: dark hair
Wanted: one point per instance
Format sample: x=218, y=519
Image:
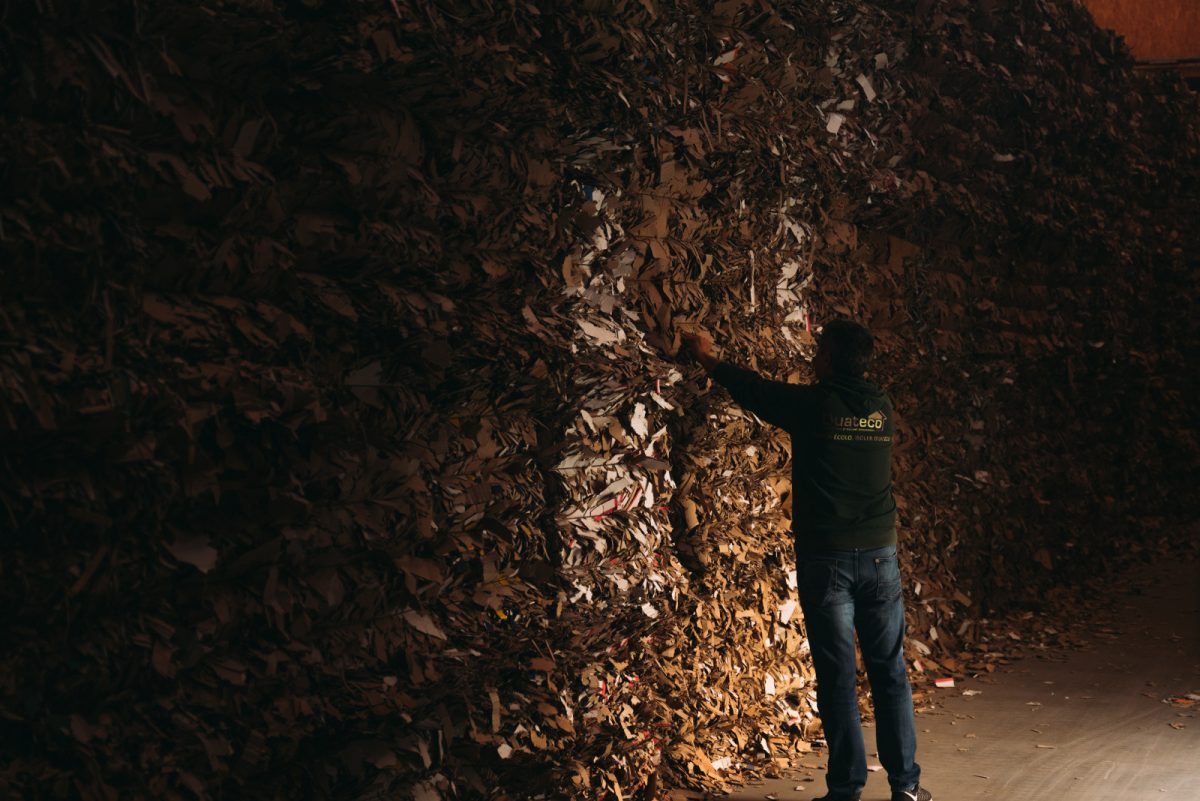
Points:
x=850, y=346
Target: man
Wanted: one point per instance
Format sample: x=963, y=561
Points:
x=844, y=523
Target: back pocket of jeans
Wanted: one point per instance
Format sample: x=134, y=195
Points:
x=887, y=576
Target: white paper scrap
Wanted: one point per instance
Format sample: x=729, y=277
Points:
x=867, y=87
x=661, y=401
x=786, y=609
x=638, y=420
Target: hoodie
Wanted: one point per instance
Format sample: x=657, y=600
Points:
x=841, y=429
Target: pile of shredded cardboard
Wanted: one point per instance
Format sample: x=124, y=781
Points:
x=345, y=453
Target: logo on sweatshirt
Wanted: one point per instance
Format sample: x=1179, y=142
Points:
x=872, y=422
x=869, y=428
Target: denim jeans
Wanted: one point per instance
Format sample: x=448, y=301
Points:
x=859, y=590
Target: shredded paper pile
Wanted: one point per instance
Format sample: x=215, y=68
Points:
x=346, y=451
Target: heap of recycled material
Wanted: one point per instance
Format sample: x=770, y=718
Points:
x=345, y=452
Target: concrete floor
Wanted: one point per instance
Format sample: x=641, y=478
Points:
x=1068, y=725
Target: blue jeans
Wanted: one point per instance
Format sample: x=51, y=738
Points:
x=859, y=590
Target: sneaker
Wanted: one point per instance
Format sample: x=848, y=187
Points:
x=832, y=797
x=914, y=793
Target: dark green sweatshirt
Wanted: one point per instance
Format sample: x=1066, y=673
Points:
x=841, y=431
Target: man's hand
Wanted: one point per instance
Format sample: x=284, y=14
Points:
x=699, y=347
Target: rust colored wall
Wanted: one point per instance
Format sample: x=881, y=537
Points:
x=1161, y=29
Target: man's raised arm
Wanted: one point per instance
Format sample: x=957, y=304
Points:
x=774, y=401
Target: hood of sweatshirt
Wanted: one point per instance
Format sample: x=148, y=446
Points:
x=862, y=397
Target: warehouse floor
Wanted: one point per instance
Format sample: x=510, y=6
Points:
x=1087, y=724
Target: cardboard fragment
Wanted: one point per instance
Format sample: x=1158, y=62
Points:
x=423, y=623
x=194, y=551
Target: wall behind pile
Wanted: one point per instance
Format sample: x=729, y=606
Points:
x=1166, y=29
x=344, y=454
